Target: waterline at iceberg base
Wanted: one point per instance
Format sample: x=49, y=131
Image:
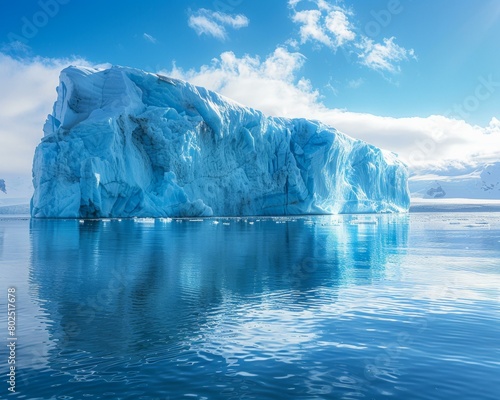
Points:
x=121, y=142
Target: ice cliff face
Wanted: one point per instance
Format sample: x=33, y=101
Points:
x=121, y=142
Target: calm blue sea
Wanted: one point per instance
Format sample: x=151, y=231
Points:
x=344, y=307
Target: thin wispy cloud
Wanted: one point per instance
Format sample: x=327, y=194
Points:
x=149, y=38
x=355, y=83
x=383, y=57
x=325, y=24
x=215, y=23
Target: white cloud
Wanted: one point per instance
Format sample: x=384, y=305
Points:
x=214, y=23
x=234, y=21
x=421, y=142
x=204, y=26
x=337, y=23
x=28, y=92
x=149, y=38
x=493, y=127
x=269, y=85
x=329, y=25
x=383, y=57
x=310, y=27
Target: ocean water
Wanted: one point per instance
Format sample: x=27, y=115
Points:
x=343, y=307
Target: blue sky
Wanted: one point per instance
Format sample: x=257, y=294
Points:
x=454, y=42
x=386, y=71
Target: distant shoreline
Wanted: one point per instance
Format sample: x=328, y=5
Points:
x=454, y=205
x=418, y=205
x=20, y=209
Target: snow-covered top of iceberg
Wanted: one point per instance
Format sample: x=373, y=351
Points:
x=122, y=142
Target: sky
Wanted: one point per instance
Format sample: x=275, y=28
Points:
x=420, y=78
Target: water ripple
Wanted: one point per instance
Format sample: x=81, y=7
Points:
x=309, y=308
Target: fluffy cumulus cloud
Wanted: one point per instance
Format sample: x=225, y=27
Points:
x=337, y=23
x=274, y=86
x=325, y=24
x=214, y=23
x=28, y=92
x=328, y=25
x=268, y=84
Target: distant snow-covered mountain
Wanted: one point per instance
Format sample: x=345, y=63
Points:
x=480, y=182
x=15, y=190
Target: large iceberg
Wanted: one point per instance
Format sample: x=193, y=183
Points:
x=121, y=142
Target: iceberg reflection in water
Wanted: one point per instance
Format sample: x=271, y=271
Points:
x=318, y=307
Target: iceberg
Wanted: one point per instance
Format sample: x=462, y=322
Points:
x=122, y=142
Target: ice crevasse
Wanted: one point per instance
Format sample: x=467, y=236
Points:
x=121, y=142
